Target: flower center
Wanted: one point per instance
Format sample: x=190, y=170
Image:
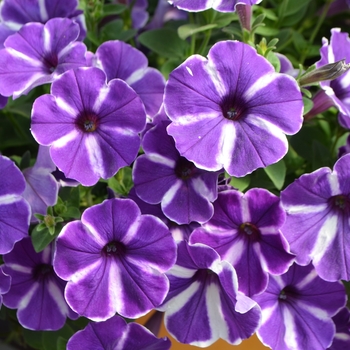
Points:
x=230, y=108
x=114, y=248
x=287, y=293
x=250, y=231
x=340, y=203
x=42, y=271
x=51, y=62
x=87, y=121
x=184, y=169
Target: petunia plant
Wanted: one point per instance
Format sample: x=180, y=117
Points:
x=174, y=172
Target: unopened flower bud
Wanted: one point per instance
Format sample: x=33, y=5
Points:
x=329, y=71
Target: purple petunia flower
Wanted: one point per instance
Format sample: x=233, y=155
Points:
x=38, y=54
x=245, y=231
x=114, y=260
x=317, y=225
x=337, y=89
x=232, y=110
x=41, y=187
x=115, y=333
x=14, y=14
x=92, y=127
x=179, y=232
x=204, y=303
x=5, y=284
x=161, y=175
x=341, y=339
x=120, y=60
x=297, y=310
x=218, y=5
x=14, y=209
x=36, y=291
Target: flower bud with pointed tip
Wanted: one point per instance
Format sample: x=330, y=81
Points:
x=329, y=71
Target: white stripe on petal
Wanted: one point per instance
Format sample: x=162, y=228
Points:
x=62, y=142
x=245, y=210
x=235, y=252
x=100, y=98
x=115, y=290
x=279, y=281
x=168, y=197
x=101, y=240
x=220, y=85
x=95, y=154
x=57, y=295
x=304, y=209
x=259, y=84
x=20, y=268
x=131, y=233
x=201, y=189
x=271, y=230
x=136, y=76
x=330, y=55
x=344, y=81
x=90, y=269
x=25, y=300
x=269, y=127
x=180, y=301
x=216, y=317
x=157, y=158
x=181, y=272
x=228, y=141
x=307, y=279
x=62, y=104
x=22, y=56
x=342, y=336
x=47, y=40
x=268, y=312
x=291, y=333
x=316, y=312
x=9, y=199
x=334, y=184
x=325, y=238
x=42, y=8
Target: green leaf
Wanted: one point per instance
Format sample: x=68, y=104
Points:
x=112, y=30
x=273, y=59
x=33, y=338
x=223, y=19
x=113, y=9
x=189, y=29
x=72, y=212
x=277, y=173
x=70, y=196
x=266, y=31
x=122, y=181
x=294, y=7
x=241, y=183
x=164, y=42
x=50, y=339
x=308, y=104
x=41, y=239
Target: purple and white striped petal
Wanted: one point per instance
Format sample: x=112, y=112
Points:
x=5, y=284
x=16, y=13
x=114, y=260
x=161, y=175
x=120, y=60
x=204, y=303
x=341, y=339
x=317, y=225
x=115, y=333
x=297, y=310
x=41, y=186
x=38, y=54
x=218, y=122
x=218, y=5
x=337, y=89
x=245, y=231
x=92, y=127
x=14, y=209
x=35, y=291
